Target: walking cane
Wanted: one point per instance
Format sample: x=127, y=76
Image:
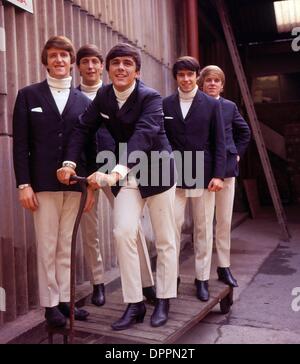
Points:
x=83, y=183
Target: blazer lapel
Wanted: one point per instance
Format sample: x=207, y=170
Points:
x=195, y=104
x=177, y=108
x=47, y=95
x=71, y=100
x=112, y=102
x=222, y=103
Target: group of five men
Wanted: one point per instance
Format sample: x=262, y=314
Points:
x=58, y=130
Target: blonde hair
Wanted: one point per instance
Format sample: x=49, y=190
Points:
x=206, y=71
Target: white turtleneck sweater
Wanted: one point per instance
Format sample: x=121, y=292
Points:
x=123, y=96
x=90, y=91
x=186, y=100
x=60, y=89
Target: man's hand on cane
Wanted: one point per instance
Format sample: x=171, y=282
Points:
x=64, y=174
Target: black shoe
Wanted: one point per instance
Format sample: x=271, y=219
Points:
x=202, y=290
x=160, y=313
x=54, y=317
x=80, y=314
x=225, y=276
x=98, y=296
x=135, y=313
x=150, y=294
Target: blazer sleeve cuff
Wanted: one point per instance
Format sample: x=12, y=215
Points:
x=69, y=164
x=122, y=170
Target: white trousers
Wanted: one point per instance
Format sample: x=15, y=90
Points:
x=143, y=252
x=127, y=212
x=91, y=244
x=224, y=207
x=54, y=221
x=203, y=214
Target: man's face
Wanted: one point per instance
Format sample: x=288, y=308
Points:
x=186, y=80
x=122, y=72
x=212, y=85
x=91, y=69
x=58, y=63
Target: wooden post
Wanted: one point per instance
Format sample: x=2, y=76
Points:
x=192, y=28
x=236, y=60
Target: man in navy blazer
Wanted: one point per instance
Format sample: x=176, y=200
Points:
x=90, y=65
x=193, y=125
x=145, y=170
x=44, y=117
x=237, y=133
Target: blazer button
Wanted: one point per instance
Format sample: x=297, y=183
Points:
x=60, y=135
x=60, y=147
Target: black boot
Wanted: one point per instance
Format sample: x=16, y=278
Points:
x=98, y=296
x=80, y=314
x=178, y=282
x=160, y=313
x=150, y=294
x=202, y=290
x=225, y=276
x=54, y=317
x=135, y=313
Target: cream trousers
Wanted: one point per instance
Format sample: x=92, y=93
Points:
x=53, y=222
x=91, y=245
x=203, y=214
x=127, y=212
x=90, y=235
x=224, y=206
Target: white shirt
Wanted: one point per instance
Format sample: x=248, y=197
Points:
x=186, y=100
x=123, y=96
x=90, y=91
x=60, y=89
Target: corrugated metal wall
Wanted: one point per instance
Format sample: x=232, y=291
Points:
x=150, y=24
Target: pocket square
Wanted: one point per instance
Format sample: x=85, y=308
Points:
x=37, y=109
x=104, y=116
x=169, y=117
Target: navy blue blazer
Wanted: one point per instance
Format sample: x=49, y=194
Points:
x=139, y=124
x=237, y=134
x=201, y=130
x=41, y=134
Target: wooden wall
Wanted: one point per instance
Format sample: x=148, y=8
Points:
x=152, y=25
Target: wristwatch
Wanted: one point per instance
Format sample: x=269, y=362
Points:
x=22, y=187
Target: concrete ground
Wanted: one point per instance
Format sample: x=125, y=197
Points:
x=267, y=270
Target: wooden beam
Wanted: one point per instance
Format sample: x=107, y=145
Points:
x=257, y=133
x=192, y=28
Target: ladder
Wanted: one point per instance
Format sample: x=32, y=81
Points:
x=236, y=60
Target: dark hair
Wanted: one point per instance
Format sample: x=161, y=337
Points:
x=186, y=63
x=207, y=71
x=60, y=42
x=124, y=50
x=88, y=50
